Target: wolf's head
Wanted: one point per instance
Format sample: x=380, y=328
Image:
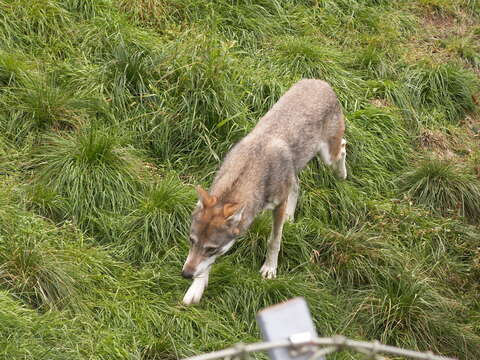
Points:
x=214, y=229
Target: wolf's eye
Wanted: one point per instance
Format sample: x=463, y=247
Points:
x=192, y=240
x=210, y=250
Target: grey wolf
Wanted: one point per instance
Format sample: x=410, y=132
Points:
x=261, y=172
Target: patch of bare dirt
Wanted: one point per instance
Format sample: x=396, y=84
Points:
x=433, y=139
x=437, y=26
x=472, y=125
x=461, y=144
x=437, y=143
x=438, y=20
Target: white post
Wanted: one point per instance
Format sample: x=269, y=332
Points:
x=288, y=320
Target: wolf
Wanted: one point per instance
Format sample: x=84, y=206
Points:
x=261, y=173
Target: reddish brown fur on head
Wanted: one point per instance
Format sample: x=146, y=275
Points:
x=214, y=227
x=206, y=199
x=213, y=215
x=230, y=209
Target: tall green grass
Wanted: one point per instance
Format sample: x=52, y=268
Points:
x=110, y=112
x=405, y=308
x=43, y=266
x=39, y=105
x=153, y=229
x=444, y=188
x=200, y=100
x=443, y=87
x=86, y=9
x=27, y=334
x=202, y=73
x=378, y=149
x=465, y=47
x=12, y=65
x=303, y=57
x=92, y=171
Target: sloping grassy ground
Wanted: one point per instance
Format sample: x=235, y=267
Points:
x=111, y=110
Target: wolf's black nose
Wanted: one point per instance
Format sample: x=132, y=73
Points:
x=187, y=275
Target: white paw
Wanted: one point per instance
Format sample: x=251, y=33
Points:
x=268, y=271
x=195, y=291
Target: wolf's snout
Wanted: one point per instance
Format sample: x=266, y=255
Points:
x=187, y=274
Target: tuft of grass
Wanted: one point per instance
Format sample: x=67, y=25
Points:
x=443, y=188
x=38, y=104
x=341, y=13
x=202, y=75
x=45, y=104
x=85, y=9
x=377, y=148
x=353, y=259
x=43, y=200
x=38, y=264
x=160, y=223
x=91, y=171
x=327, y=203
x=201, y=100
x=12, y=66
x=250, y=24
x=10, y=158
x=131, y=70
x=40, y=274
x=348, y=22
x=443, y=8
x=37, y=25
x=303, y=57
x=405, y=309
x=154, y=13
x=446, y=87
x=374, y=61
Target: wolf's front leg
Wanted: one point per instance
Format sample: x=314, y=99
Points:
x=269, y=268
x=195, y=291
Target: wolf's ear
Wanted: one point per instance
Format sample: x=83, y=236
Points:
x=233, y=212
x=205, y=199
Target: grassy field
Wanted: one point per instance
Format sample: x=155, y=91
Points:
x=112, y=110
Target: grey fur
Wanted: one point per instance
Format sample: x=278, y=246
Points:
x=260, y=171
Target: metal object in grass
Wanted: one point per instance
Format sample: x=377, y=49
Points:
x=291, y=335
x=288, y=320
x=326, y=346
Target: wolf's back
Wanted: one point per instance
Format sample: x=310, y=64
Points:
x=305, y=116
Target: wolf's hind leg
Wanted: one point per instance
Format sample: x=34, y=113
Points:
x=269, y=268
x=292, y=201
